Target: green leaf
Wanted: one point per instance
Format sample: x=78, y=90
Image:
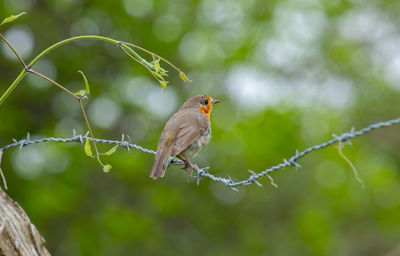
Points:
x=163, y=72
x=12, y=18
x=112, y=150
x=157, y=66
x=88, y=148
x=86, y=82
x=159, y=76
x=107, y=168
x=184, y=77
x=81, y=93
x=164, y=84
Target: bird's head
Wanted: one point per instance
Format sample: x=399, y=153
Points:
x=202, y=102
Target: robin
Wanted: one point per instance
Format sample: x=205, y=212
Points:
x=185, y=134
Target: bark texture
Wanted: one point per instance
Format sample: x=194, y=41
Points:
x=18, y=236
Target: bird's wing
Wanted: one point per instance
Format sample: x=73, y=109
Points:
x=190, y=131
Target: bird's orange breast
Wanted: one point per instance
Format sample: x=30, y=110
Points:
x=206, y=109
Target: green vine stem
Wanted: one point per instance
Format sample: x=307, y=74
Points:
x=11, y=88
x=23, y=73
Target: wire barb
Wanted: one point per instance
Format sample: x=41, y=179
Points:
x=253, y=178
x=81, y=140
x=293, y=161
x=201, y=172
x=231, y=184
x=124, y=143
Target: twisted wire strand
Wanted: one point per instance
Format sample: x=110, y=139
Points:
x=203, y=172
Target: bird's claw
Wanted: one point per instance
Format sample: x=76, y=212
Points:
x=189, y=165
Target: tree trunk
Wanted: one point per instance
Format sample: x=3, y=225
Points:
x=18, y=236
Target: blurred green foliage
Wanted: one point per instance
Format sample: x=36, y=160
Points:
x=289, y=74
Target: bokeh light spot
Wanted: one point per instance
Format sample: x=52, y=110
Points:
x=167, y=28
x=138, y=8
x=18, y=5
x=104, y=112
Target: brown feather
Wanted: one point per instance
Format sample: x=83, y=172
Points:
x=162, y=157
x=186, y=136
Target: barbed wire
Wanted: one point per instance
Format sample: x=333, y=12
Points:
x=203, y=172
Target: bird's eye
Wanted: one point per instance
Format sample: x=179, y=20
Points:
x=205, y=102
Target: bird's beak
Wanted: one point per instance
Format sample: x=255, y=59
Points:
x=214, y=102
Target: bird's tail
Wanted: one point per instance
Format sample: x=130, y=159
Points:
x=162, y=157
